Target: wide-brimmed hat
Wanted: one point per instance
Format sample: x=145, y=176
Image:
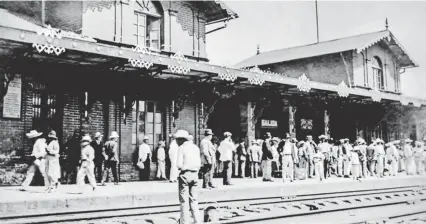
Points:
x=322, y=137
x=275, y=139
x=114, y=134
x=145, y=137
x=418, y=143
x=86, y=138
x=208, y=132
x=378, y=140
x=33, y=134
x=396, y=142
x=227, y=134
x=182, y=134
x=52, y=134
x=309, y=136
x=360, y=141
x=408, y=140
x=98, y=135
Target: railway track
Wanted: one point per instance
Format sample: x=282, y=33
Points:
x=387, y=204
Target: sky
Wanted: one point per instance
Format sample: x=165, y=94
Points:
x=281, y=24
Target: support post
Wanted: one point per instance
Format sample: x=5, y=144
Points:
x=327, y=123
x=292, y=120
x=246, y=113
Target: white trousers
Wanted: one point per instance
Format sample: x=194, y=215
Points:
x=319, y=169
x=173, y=171
x=161, y=169
x=287, y=169
x=87, y=169
x=37, y=165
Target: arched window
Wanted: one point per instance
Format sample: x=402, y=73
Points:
x=147, y=22
x=378, y=79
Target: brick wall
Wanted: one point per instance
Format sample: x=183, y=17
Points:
x=72, y=116
x=327, y=68
x=65, y=15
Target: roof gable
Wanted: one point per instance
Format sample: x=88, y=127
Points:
x=357, y=43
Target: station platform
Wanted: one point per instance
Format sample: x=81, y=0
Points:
x=71, y=198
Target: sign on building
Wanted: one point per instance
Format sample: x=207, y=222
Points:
x=306, y=124
x=12, y=100
x=269, y=124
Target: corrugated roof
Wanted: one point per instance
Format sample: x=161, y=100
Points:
x=358, y=43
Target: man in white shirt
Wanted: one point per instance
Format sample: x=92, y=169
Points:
x=325, y=149
x=189, y=163
x=173, y=152
x=87, y=167
x=145, y=155
x=287, y=159
x=226, y=148
x=39, y=153
x=207, y=158
x=310, y=146
x=380, y=152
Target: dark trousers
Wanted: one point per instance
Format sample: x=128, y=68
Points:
x=326, y=162
x=110, y=166
x=98, y=171
x=227, y=172
x=206, y=171
x=146, y=172
x=71, y=173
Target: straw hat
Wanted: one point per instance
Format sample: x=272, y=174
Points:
x=86, y=138
x=208, y=132
x=408, y=140
x=114, y=134
x=182, y=134
x=227, y=134
x=33, y=134
x=52, y=134
x=145, y=137
x=98, y=135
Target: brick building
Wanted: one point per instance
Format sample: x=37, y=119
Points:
x=140, y=68
x=373, y=62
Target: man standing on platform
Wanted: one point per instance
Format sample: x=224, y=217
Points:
x=242, y=157
x=173, y=152
x=39, y=156
x=226, y=149
x=254, y=158
x=189, y=163
x=72, y=154
x=288, y=158
x=346, y=151
x=97, y=145
x=418, y=157
x=380, y=152
x=87, y=166
x=363, y=156
x=267, y=158
x=110, y=153
x=392, y=156
x=310, y=151
x=145, y=156
x=207, y=158
x=325, y=149
x=408, y=156
x=371, y=158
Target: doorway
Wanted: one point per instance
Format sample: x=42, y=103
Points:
x=226, y=117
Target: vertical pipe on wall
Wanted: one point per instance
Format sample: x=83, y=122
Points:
x=198, y=31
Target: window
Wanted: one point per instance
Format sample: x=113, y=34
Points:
x=378, y=78
x=146, y=25
x=147, y=118
x=44, y=109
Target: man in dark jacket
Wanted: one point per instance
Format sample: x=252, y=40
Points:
x=267, y=158
x=72, y=155
x=97, y=145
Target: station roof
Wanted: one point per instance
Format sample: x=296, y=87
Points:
x=357, y=43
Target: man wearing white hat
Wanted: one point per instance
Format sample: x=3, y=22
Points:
x=418, y=157
x=207, y=158
x=325, y=149
x=254, y=158
x=145, y=156
x=346, y=151
x=173, y=153
x=53, y=168
x=363, y=156
x=408, y=155
x=371, y=158
x=226, y=149
x=189, y=163
x=392, y=156
x=98, y=146
x=39, y=155
x=288, y=157
x=380, y=152
x=110, y=153
x=87, y=166
x=310, y=146
x=267, y=157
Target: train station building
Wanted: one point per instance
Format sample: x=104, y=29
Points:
x=145, y=72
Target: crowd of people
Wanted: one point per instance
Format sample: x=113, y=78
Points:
x=268, y=157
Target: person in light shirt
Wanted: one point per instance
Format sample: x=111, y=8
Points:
x=254, y=158
x=189, y=163
x=53, y=168
x=418, y=157
x=87, y=167
x=161, y=161
x=145, y=155
x=380, y=152
x=39, y=155
x=173, y=152
x=288, y=156
x=392, y=156
x=226, y=149
x=208, y=154
x=318, y=159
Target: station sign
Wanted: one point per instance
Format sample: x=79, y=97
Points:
x=269, y=124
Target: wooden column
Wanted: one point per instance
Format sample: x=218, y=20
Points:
x=292, y=120
x=327, y=123
x=247, y=126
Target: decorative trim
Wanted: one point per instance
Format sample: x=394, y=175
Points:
x=343, y=89
x=48, y=49
x=140, y=63
x=227, y=76
x=179, y=69
x=304, y=85
x=256, y=81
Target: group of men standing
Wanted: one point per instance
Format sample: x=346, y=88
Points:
x=77, y=161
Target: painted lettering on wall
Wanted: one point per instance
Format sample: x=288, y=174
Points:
x=269, y=124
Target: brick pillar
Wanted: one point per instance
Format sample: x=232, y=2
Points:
x=292, y=120
x=327, y=123
x=247, y=126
